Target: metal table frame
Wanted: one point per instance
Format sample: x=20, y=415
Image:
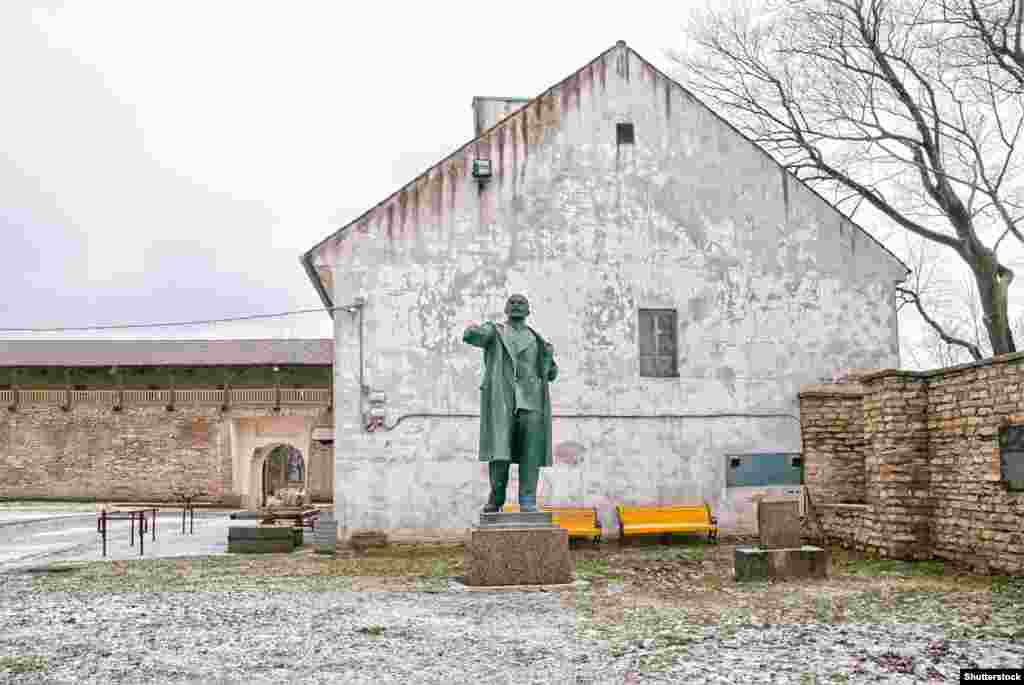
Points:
x=129, y=514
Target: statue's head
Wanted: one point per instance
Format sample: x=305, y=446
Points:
x=517, y=307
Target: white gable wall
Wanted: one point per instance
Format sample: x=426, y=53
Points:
x=773, y=290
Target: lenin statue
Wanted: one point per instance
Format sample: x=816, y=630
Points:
x=515, y=406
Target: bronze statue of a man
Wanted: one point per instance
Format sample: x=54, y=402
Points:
x=515, y=405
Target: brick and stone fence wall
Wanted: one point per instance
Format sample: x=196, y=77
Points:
x=908, y=464
x=56, y=443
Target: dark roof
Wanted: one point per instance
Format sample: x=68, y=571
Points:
x=318, y=351
x=306, y=258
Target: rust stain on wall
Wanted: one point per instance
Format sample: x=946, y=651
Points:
x=501, y=154
x=403, y=201
x=437, y=194
x=514, y=135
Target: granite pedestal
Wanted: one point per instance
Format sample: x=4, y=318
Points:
x=518, y=548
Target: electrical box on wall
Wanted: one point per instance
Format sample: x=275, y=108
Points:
x=760, y=469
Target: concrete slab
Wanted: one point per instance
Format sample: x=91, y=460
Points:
x=807, y=561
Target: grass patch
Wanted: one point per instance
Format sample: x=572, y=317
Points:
x=22, y=664
x=693, y=553
x=895, y=567
x=660, y=633
x=298, y=571
x=595, y=569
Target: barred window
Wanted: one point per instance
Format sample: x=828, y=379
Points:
x=658, y=343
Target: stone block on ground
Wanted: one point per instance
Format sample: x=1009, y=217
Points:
x=498, y=555
x=756, y=563
x=325, y=534
x=778, y=523
x=367, y=539
x=260, y=533
x=262, y=539
x=260, y=546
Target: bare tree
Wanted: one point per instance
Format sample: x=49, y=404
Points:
x=924, y=293
x=991, y=35
x=896, y=108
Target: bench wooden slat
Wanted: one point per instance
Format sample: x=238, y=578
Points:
x=645, y=520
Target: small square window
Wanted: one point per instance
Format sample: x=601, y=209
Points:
x=624, y=134
x=1011, y=456
x=658, y=343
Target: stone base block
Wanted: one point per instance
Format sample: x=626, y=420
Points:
x=263, y=539
x=260, y=546
x=518, y=556
x=756, y=563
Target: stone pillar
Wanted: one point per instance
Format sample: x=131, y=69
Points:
x=898, y=481
x=832, y=433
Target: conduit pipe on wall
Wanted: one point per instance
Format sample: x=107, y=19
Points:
x=357, y=308
x=722, y=415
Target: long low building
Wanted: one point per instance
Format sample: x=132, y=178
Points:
x=231, y=420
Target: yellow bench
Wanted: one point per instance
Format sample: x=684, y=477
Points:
x=581, y=522
x=663, y=520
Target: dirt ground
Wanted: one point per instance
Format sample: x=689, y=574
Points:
x=688, y=579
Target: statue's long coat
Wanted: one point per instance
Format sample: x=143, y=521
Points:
x=497, y=394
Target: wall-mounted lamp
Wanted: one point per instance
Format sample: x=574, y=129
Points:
x=482, y=169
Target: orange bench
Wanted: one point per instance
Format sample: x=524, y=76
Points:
x=663, y=520
x=581, y=522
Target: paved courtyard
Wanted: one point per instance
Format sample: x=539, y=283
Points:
x=33, y=538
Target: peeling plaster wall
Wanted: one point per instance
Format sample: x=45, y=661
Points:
x=774, y=290
x=487, y=111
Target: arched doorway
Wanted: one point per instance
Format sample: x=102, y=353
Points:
x=284, y=468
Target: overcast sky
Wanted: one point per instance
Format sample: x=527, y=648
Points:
x=168, y=161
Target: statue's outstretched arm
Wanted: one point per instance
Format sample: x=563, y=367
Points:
x=479, y=336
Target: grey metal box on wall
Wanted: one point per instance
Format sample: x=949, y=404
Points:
x=767, y=468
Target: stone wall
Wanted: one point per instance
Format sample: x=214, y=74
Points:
x=145, y=452
x=850, y=525
x=976, y=520
x=930, y=455
x=832, y=423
